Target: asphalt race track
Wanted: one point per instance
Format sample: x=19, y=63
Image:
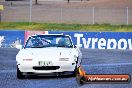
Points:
x=94, y=62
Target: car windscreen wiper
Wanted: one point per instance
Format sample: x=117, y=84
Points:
x=41, y=46
x=65, y=46
x=36, y=46
x=46, y=41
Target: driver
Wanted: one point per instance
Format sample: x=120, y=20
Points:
x=37, y=42
x=62, y=42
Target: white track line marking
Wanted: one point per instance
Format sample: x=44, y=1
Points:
x=115, y=64
x=5, y=71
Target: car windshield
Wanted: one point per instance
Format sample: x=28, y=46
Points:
x=42, y=41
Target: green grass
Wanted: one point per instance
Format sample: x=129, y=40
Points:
x=64, y=27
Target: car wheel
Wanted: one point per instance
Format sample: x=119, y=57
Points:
x=19, y=74
x=74, y=72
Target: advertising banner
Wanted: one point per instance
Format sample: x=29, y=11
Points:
x=100, y=40
x=89, y=40
x=11, y=39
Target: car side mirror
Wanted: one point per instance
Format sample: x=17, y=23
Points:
x=75, y=46
x=19, y=47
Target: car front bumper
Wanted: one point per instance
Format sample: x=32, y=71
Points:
x=56, y=68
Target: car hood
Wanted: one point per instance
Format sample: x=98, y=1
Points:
x=49, y=53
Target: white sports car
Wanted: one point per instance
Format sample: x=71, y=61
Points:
x=52, y=54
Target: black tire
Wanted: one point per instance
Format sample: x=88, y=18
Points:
x=20, y=74
x=74, y=72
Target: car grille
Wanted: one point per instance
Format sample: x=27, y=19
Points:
x=46, y=67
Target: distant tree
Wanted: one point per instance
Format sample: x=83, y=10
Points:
x=68, y=1
x=36, y=2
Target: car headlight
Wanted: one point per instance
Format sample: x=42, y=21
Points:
x=64, y=59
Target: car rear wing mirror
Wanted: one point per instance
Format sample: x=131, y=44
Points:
x=76, y=46
x=19, y=47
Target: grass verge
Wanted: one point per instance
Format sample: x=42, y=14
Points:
x=64, y=27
